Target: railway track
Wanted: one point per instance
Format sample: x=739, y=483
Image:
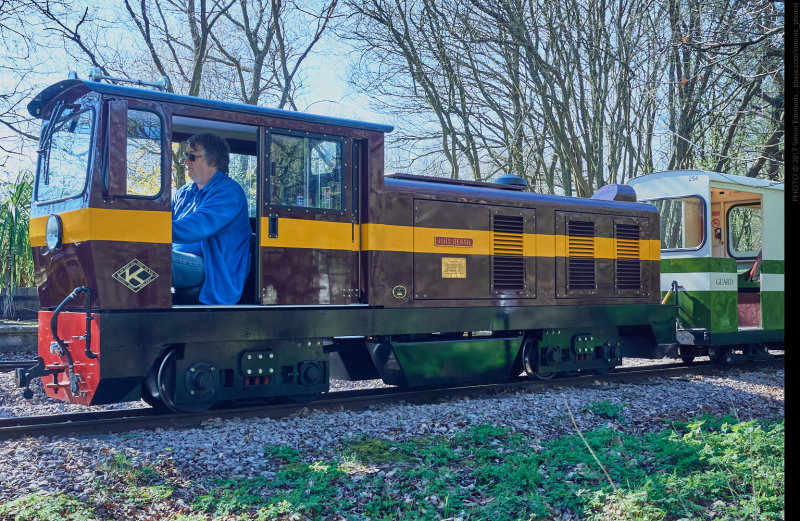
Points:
x=123, y=420
x=11, y=365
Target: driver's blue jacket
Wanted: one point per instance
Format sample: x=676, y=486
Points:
x=213, y=222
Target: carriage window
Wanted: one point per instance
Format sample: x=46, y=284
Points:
x=144, y=153
x=744, y=231
x=306, y=172
x=64, y=167
x=681, y=222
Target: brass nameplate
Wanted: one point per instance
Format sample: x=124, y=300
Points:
x=459, y=242
x=454, y=268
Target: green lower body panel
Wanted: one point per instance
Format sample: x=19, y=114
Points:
x=772, y=309
x=717, y=311
x=716, y=296
x=455, y=361
x=748, y=336
x=712, y=310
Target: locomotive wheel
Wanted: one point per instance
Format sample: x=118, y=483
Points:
x=154, y=401
x=611, y=353
x=530, y=359
x=150, y=394
x=166, y=379
x=544, y=376
x=720, y=355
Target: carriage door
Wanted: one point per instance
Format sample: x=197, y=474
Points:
x=744, y=241
x=309, y=228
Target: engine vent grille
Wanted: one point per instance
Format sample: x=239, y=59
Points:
x=581, y=261
x=628, y=268
x=508, y=261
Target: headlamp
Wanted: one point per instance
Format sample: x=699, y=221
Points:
x=53, y=232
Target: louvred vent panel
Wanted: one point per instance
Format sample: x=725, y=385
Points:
x=508, y=262
x=628, y=266
x=581, y=256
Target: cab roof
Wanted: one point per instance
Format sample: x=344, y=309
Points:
x=40, y=101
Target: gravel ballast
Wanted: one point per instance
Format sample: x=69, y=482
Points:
x=235, y=448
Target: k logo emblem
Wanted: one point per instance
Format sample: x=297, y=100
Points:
x=135, y=275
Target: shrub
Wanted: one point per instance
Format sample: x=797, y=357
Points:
x=16, y=260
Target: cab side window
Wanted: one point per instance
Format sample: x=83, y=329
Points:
x=144, y=153
x=306, y=172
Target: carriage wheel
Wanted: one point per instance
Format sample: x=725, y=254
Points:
x=720, y=355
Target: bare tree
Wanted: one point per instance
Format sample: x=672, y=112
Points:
x=727, y=86
x=278, y=37
x=411, y=72
x=523, y=86
x=199, y=45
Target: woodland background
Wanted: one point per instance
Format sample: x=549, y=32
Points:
x=570, y=95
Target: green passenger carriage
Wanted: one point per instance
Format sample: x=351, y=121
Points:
x=722, y=240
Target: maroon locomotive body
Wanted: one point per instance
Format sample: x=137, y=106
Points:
x=420, y=281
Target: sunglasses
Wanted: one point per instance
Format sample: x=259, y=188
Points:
x=191, y=157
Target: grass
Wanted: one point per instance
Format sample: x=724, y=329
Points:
x=607, y=409
x=706, y=468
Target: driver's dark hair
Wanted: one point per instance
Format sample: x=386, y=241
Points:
x=215, y=149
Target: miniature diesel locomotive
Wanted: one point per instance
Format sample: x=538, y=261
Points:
x=357, y=274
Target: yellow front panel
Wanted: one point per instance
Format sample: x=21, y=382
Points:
x=100, y=224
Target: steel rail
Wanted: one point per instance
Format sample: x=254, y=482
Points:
x=124, y=420
x=11, y=365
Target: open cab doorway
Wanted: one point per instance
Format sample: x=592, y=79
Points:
x=243, y=167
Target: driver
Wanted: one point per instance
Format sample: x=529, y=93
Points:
x=210, y=226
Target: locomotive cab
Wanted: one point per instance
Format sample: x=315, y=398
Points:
x=722, y=242
x=111, y=157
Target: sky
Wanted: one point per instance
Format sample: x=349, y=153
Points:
x=325, y=92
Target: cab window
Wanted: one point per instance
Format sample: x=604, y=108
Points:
x=681, y=222
x=144, y=153
x=243, y=169
x=64, y=166
x=306, y=172
x=744, y=231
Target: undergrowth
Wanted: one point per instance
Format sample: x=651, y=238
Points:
x=706, y=468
